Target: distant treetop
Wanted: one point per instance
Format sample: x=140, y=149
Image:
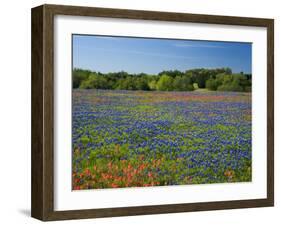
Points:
x=221, y=79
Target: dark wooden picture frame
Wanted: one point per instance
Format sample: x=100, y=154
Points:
x=42, y=203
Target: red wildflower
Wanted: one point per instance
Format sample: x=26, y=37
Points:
x=113, y=185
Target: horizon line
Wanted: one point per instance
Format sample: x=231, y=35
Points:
x=160, y=71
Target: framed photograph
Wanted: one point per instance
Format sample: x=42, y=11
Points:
x=142, y=112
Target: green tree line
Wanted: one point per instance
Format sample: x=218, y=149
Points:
x=221, y=79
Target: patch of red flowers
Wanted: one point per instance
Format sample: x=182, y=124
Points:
x=117, y=174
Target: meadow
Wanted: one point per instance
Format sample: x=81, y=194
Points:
x=152, y=138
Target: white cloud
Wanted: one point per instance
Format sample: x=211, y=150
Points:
x=107, y=38
x=144, y=53
x=182, y=45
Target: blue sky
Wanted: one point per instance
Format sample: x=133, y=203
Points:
x=135, y=55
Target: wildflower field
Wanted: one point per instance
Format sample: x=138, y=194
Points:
x=153, y=138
